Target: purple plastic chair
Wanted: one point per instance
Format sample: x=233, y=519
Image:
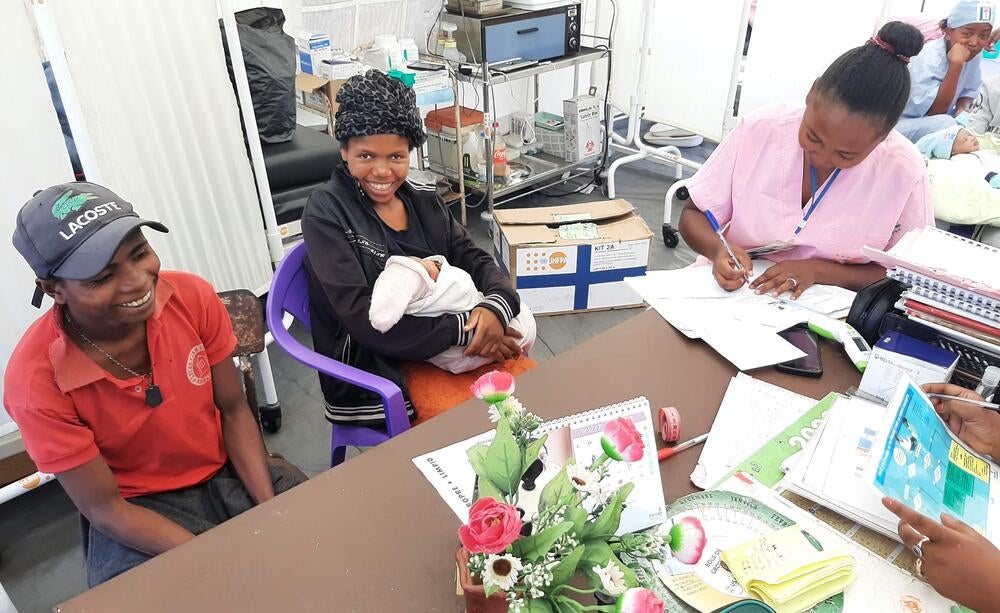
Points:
x=290, y=293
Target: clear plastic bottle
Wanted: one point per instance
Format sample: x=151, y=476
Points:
x=447, y=45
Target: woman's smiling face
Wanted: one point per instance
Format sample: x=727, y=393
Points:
x=380, y=163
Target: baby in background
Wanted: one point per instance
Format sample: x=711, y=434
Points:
x=944, y=144
x=947, y=143
x=430, y=287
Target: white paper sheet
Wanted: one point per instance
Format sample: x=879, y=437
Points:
x=832, y=471
x=752, y=413
x=741, y=325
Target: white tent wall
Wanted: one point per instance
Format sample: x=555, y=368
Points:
x=33, y=156
x=786, y=56
x=694, y=51
x=150, y=80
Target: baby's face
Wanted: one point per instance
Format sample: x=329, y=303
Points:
x=965, y=142
x=430, y=266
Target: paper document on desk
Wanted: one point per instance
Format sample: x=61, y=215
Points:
x=879, y=585
x=697, y=282
x=741, y=325
x=832, y=470
x=576, y=436
x=752, y=413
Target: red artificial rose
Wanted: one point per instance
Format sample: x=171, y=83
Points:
x=492, y=526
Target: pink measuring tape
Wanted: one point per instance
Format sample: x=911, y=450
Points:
x=670, y=424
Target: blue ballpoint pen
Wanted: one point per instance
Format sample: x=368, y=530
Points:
x=718, y=231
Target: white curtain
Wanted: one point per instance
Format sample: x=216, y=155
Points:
x=32, y=156
x=160, y=111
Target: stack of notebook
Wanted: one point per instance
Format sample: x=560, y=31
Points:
x=954, y=285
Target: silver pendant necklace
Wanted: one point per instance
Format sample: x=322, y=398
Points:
x=154, y=397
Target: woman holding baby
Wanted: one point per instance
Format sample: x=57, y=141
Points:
x=357, y=222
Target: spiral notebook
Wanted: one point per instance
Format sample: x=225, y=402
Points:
x=576, y=437
x=947, y=258
x=947, y=294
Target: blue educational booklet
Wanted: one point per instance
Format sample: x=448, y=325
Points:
x=929, y=469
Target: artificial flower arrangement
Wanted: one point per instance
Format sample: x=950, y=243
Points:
x=533, y=559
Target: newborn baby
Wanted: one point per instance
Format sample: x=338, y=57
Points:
x=430, y=287
x=948, y=142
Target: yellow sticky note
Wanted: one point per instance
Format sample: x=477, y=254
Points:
x=976, y=467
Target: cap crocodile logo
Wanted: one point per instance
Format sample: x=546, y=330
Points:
x=67, y=203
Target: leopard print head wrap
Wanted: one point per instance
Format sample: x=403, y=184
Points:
x=374, y=103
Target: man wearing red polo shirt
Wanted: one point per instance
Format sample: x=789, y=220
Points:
x=124, y=388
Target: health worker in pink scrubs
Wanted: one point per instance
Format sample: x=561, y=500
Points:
x=807, y=187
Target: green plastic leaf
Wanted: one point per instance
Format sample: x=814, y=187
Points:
x=557, y=491
x=534, y=547
x=565, y=604
x=531, y=453
x=607, y=522
x=537, y=606
x=503, y=460
x=490, y=589
x=578, y=516
x=486, y=489
x=595, y=553
x=477, y=457
x=566, y=567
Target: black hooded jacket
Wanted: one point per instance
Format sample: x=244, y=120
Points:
x=347, y=245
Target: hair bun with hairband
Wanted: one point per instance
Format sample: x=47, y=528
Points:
x=878, y=42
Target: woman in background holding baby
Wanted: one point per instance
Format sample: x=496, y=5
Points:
x=369, y=212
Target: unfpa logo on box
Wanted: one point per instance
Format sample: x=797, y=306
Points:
x=539, y=261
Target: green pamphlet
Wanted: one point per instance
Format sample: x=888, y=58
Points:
x=765, y=463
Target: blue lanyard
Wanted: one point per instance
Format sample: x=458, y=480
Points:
x=814, y=199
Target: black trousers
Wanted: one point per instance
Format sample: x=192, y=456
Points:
x=195, y=508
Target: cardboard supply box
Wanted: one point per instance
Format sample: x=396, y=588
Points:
x=556, y=275
x=313, y=48
x=315, y=91
x=583, y=127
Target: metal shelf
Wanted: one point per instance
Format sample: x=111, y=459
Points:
x=586, y=54
x=543, y=166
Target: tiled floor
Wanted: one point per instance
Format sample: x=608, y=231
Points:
x=41, y=562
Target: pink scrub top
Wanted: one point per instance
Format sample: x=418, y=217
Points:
x=754, y=180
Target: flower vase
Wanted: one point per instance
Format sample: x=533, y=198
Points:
x=475, y=594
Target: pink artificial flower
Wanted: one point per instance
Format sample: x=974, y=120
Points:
x=621, y=441
x=494, y=386
x=492, y=526
x=639, y=600
x=687, y=540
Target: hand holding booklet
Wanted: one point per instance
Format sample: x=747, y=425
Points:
x=921, y=463
x=905, y=451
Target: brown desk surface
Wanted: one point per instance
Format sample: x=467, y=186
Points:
x=373, y=535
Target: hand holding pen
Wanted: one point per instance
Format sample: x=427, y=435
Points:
x=962, y=410
x=732, y=266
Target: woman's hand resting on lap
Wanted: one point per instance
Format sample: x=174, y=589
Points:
x=490, y=339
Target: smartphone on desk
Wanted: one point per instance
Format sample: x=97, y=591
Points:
x=811, y=365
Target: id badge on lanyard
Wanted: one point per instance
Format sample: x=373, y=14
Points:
x=815, y=199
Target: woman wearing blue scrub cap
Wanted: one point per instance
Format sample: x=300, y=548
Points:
x=946, y=75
